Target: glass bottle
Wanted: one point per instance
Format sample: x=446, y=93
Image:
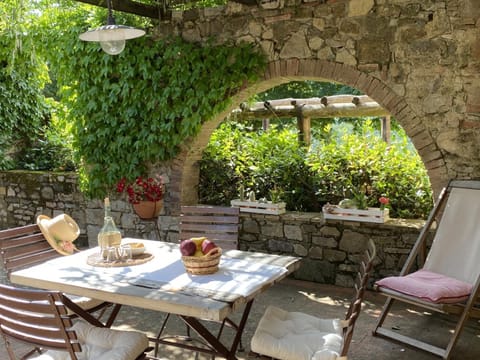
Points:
x=109, y=235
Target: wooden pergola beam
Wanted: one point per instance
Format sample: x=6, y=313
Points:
x=306, y=109
x=146, y=10
x=325, y=107
x=130, y=7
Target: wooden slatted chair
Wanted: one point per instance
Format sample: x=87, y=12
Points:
x=25, y=246
x=217, y=223
x=298, y=336
x=448, y=276
x=40, y=318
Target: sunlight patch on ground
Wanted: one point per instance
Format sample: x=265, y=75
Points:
x=327, y=300
x=371, y=310
x=421, y=313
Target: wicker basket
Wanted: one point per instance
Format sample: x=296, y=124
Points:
x=203, y=265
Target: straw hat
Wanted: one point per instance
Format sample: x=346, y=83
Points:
x=60, y=232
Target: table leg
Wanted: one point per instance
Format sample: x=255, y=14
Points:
x=215, y=346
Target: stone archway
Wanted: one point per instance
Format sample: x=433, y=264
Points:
x=186, y=171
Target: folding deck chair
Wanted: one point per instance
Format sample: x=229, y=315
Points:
x=448, y=280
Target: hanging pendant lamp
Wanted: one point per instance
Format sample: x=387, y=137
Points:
x=112, y=36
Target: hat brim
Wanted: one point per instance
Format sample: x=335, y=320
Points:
x=41, y=219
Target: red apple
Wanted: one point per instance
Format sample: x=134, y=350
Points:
x=208, y=245
x=188, y=247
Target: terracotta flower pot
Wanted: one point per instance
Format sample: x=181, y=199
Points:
x=148, y=209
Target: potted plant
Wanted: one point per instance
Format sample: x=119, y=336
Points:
x=145, y=194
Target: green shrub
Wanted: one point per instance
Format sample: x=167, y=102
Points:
x=349, y=164
x=345, y=159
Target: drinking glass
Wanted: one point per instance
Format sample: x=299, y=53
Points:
x=112, y=254
x=125, y=252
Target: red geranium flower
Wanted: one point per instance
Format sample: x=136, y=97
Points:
x=384, y=200
x=150, y=189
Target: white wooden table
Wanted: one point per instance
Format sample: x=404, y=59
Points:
x=162, y=284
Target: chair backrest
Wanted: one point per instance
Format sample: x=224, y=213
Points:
x=24, y=246
x=361, y=284
x=38, y=318
x=219, y=224
x=455, y=248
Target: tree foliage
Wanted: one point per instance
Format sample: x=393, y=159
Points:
x=343, y=161
x=305, y=89
x=23, y=109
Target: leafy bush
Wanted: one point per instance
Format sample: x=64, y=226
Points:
x=260, y=162
x=345, y=159
x=350, y=164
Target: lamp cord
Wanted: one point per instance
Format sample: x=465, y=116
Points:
x=110, y=18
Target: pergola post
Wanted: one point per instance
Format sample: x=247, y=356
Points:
x=303, y=125
x=386, y=128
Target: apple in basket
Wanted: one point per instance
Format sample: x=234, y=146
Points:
x=207, y=245
x=196, y=246
x=188, y=247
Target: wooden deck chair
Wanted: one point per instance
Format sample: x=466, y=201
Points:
x=298, y=336
x=25, y=246
x=40, y=318
x=217, y=223
x=448, y=278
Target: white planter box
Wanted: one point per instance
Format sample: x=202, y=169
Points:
x=369, y=215
x=259, y=208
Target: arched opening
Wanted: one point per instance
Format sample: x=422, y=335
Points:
x=186, y=171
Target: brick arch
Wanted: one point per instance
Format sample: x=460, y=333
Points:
x=186, y=170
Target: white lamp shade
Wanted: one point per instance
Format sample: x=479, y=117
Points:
x=112, y=37
x=112, y=32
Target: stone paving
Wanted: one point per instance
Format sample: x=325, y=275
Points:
x=323, y=301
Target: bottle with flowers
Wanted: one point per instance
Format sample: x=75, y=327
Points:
x=145, y=194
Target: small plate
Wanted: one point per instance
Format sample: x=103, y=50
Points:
x=137, y=248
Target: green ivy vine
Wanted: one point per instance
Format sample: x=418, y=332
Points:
x=23, y=109
x=138, y=107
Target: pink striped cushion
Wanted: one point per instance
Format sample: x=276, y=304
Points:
x=430, y=286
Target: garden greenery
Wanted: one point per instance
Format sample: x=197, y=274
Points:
x=346, y=159
x=23, y=109
x=118, y=114
x=137, y=108
x=141, y=106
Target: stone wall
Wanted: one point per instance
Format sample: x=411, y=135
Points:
x=419, y=59
x=330, y=249
x=25, y=195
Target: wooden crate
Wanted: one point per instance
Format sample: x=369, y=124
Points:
x=259, y=207
x=374, y=215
